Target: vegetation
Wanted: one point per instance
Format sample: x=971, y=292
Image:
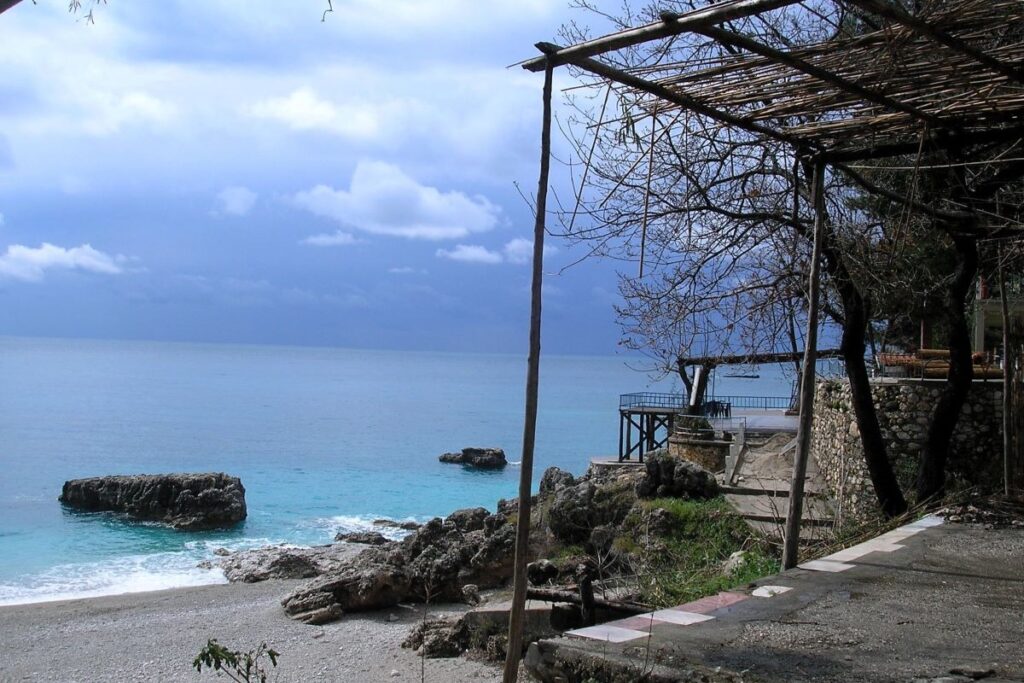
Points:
x=243, y=667
x=685, y=557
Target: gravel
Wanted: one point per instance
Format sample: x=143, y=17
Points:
x=155, y=636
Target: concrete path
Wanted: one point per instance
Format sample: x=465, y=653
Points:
x=915, y=604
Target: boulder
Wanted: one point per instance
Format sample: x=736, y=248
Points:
x=481, y=458
x=576, y=510
x=541, y=572
x=554, y=479
x=188, y=502
x=437, y=638
x=668, y=476
x=283, y=562
x=469, y=519
x=434, y=563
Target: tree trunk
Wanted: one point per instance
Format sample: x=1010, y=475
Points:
x=684, y=375
x=931, y=477
x=887, y=488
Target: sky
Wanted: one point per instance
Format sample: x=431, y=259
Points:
x=262, y=172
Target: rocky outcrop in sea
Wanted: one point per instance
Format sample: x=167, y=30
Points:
x=188, y=502
x=483, y=458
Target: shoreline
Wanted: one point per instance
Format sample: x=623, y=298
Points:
x=155, y=635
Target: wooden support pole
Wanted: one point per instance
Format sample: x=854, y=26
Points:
x=517, y=613
x=1008, y=359
x=803, y=434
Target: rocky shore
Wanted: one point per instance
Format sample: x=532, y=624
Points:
x=189, y=502
x=453, y=558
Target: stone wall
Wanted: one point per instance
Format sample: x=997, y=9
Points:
x=904, y=409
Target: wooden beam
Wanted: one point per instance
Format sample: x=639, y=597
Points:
x=7, y=4
x=743, y=42
x=807, y=374
x=517, y=612
x=900, y=16
x=755, y=358
x=691, y=21
x=681, y=99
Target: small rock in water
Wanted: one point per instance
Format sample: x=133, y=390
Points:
x=392, y=618
x=482, y=458
x=222, y=552
x=395, y=673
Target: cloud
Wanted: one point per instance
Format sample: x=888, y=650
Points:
x=468, y=253
x=1, y=220
x=305, y=110
x=520, y=250
x=517, y=251
x=30, y=264
x=236, y=201
x=383, y=200
x=335, y=239
x=407, y=270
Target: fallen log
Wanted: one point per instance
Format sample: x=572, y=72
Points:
x=573, y=597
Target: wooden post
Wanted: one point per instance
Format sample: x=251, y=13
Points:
x=1008, y=449
x=515, y=620
x=807, y=374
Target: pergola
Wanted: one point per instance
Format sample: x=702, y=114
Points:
x=944, y=83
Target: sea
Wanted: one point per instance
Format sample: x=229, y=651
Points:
x=324, y=440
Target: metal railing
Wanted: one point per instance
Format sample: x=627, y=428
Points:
x=754, y=402
x=652, y=400
x=718, y=405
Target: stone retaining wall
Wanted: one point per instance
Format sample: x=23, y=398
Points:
x=904, y=409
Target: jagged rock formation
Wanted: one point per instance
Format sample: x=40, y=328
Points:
x=433, y=563
x=483, y=458
x=188, y=502
x=667, y=476
x=473, y=547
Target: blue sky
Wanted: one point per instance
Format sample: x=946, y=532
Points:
x=243, y=172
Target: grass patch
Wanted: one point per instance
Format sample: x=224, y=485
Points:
x=681, y=551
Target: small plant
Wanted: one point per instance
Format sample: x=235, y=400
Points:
x=243, y=667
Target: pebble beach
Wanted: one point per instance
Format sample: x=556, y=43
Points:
x=155, y=636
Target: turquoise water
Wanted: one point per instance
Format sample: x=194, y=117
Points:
x=323, y=439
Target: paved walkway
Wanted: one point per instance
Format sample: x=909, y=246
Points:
x=913, y=604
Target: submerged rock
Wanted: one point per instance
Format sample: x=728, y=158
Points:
x=483, y=458
x=187, y=502
x=364, y=537
x=392, y=524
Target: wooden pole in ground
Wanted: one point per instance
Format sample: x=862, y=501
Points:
x=515, y=618
x=1008, y=450
x=807, y=374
